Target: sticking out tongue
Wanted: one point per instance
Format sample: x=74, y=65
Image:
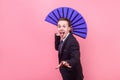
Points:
x=62, y=33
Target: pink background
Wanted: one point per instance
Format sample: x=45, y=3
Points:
x=27, y=41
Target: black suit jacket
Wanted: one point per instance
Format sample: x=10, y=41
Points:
x=71, y=53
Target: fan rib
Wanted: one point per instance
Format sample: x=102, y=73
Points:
x=67, y=12
x=52, y=18
x=71, y=14
x=79, y=28
x=63, y=11
x=59, y=13
x=76, y=21
x=79, y=32
x=79, y=24
x=74, y=17
x=55, y=15
x=80, y=36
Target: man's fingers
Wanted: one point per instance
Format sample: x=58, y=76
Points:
x=69, y=66
x=59, y=65
x=57, y=34
x=63, y=63
x=66, y=64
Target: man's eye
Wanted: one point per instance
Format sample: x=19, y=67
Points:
x=59, y=26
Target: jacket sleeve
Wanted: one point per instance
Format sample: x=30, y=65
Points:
x=57, y=41
x=74, y=54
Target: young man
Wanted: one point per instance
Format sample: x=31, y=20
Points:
x=68, y=52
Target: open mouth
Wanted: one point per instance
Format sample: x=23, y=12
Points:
x=62, y=33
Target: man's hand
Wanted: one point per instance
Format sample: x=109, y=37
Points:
x=63, y=63
x=57, y=34
x=61, y=34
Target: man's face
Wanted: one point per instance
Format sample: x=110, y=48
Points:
x=63, y=28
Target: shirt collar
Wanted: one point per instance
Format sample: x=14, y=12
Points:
x=66, y=37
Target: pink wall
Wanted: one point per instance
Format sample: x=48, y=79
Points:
x=26, y=40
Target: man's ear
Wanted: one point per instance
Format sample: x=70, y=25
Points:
x=70, y=28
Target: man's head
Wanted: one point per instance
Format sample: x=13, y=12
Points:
x=64, y=26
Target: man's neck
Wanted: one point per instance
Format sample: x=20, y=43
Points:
x=65, y=36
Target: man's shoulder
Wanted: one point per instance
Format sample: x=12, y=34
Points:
x=72, y=38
